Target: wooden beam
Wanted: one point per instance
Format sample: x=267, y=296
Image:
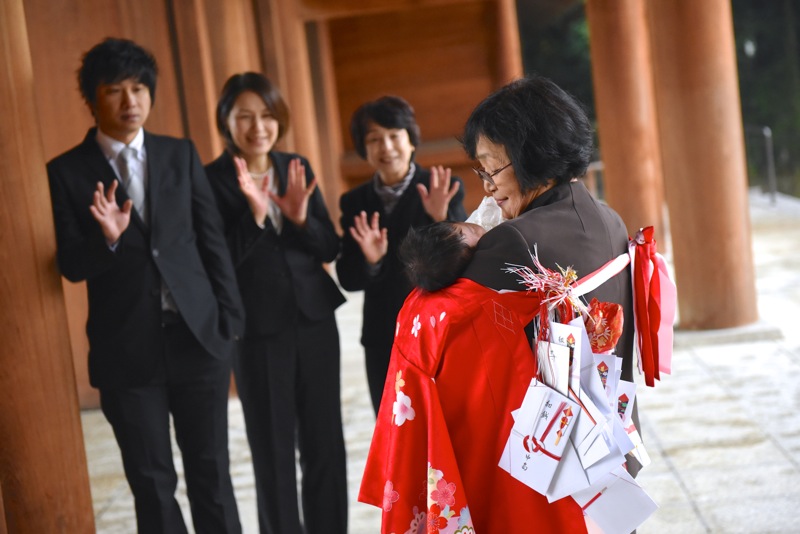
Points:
x=196, y=73
x=328, y=118
x=330, y=9
x=509, y=48
x=286, y=56
x=622, y=72
x=702, y=146
x=43, y=471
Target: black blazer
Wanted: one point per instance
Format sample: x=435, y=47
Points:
x=569, y=228
x=386, y=290
x=183, y=245
x=280, y=275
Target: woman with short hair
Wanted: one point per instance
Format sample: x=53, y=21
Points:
x=377, y=215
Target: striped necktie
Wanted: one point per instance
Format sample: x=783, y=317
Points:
x=134, y=183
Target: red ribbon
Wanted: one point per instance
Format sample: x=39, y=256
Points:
x=553, y=420
x=585, y=506
x=577, y=399
x=538, y=446
x=647, y=288
x=565, y=312
x=543, y=336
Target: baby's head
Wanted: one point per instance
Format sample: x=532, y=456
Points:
x=436, y=255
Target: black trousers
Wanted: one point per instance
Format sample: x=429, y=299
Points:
x=289, y=385
x=192, y=386
x=377, y=358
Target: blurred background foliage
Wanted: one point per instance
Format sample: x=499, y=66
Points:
x=555, y=43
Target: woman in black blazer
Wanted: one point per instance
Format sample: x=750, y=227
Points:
x=377, y=215
x=287, y=372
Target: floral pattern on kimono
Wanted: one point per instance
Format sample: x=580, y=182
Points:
x=460, y=364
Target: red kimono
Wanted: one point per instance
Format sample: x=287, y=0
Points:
x=460, y=364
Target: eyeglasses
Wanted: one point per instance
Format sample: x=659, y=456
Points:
x=488, y=176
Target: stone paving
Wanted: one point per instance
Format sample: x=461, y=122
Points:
x=723, y=431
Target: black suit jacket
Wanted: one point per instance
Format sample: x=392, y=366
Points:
x=280, y=275
x=568, y=227
x=386, y=290
x=182, y=244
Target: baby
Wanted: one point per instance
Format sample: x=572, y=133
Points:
x=436, y=255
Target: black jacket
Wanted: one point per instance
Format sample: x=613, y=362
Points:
x=568, y=227
x=386, y=290
x=183, y=244
x=280, y=275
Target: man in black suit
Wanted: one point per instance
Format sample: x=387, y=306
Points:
x=136, y=218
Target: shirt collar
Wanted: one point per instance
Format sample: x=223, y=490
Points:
x=112, y=147
x=550, y=196
x=395, y=189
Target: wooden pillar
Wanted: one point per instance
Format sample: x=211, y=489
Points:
x=43, y=473
x=196, y=76
x=234, y=40
x=702, y=147
x=509, y=48
x=3, y=523
x=286, y=58
x=626, y=113
x=328, y=120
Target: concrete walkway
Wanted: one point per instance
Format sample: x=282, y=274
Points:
x=723, y=431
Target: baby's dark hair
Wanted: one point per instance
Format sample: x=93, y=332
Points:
x=434, y=256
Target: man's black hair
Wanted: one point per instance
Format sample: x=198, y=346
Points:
x=113, y=61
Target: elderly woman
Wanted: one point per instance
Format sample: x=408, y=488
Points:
x=377, y=215
x=287, y=373
x=462, y=358
x=533, y=140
